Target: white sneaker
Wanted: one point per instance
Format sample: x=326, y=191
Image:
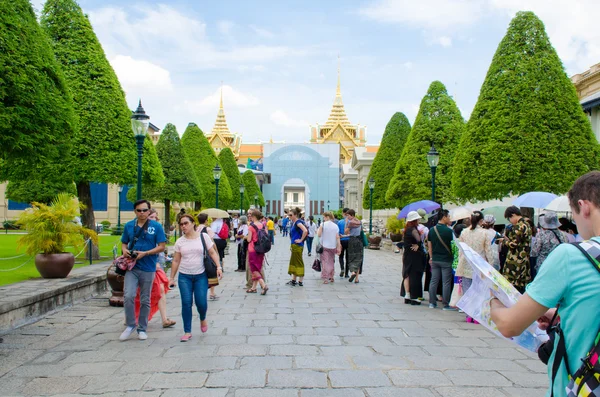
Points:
x=142, y=335
x=127, y=333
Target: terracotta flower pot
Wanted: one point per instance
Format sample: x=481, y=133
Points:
x=117, y=284
x=374, y=242
x=396, y=237
x=54, y=265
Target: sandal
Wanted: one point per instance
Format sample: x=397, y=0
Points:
x=352, y=277
x=185, y=338
x=251, y=291
x=214, y=297
x=169, y=323
x=264, y=291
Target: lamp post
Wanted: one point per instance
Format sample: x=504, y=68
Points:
x=217, y=176
x=119, y=210
x=371, y=188
x=327, y=205
x=139, y=124
x=242, y=188
x=255, y=200
x=433, y=158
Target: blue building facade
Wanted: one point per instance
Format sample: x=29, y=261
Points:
x=302, y=175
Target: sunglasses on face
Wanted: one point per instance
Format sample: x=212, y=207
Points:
x=142, y=210
x=184, y=223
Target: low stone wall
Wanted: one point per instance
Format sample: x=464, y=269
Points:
x=25, y=302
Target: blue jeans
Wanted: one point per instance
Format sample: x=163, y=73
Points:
x=192, y=287
x=135, y=278
x=272, y=236
x=309, y=241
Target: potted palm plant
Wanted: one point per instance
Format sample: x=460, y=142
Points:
x=51, y=228
x=394, y=227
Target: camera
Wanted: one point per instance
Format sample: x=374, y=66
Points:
x=133, y=254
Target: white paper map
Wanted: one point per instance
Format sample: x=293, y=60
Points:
x=476, y=301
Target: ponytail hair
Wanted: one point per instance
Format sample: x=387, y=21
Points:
x=476, y=217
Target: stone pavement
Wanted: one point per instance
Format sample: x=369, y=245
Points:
x=334, y=340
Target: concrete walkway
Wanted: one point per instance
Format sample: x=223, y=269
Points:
x=333, y=340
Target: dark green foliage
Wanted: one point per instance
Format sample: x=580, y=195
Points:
x=104, y=146
x=439, y=121
x=227, y=161
x=37, y=121
x=252, y=188
x=527, y=131
x=392, y=143
x=203, y=160
x=180, y=183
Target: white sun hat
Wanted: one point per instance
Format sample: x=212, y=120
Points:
x=412, y=216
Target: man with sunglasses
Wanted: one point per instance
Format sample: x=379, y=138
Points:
x=146, y=238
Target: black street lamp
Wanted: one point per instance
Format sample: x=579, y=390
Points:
x=433, y=158
x=242, y=188
x=217, y=176
x=327, y=205
x=371, y=188
x=119, y=210
x=139, y=124
x=255, y=200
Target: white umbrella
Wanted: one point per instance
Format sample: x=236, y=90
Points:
x=559, y=204
x=215, y=213
x=460, y=213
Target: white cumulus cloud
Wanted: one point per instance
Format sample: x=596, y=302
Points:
x=136, y=74
x=231, y=99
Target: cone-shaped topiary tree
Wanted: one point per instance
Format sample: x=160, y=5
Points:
x=37, y=120
x=439, y=122
x=103, y=147
x=227, y=161
x=392, y=143
x=527, y=131
x=181, y=183
x=203, y=160
x=252, y=189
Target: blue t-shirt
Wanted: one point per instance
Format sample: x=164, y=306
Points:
x=284, y=222
x=148, y=240
x=569, y=278
x=296, y=232
x=342, y=227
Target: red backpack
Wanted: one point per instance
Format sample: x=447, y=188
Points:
x=224, y=232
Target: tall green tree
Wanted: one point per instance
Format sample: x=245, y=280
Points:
x=527, y=131
x=227, y=161
x=439, y=122
x=203, y=160
x=103, y=146
x=392, y=143
x=181, y=183
x=252, y=189
x=37, y=120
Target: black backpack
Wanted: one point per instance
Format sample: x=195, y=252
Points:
x=263, y=244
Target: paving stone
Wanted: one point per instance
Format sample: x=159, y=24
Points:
x=358, y=378
x=101, y=368
x=192, y=364
x=266, y=393
x=492, y=364
x=319, y=340
x=399, y=351
x=380, y=362
x=179, y=380
x=331, y=393
x=292, y=331
x=526, y=379
x=13, y=386
x=237, y=378
x=203, y=392
x=323, y=363
x=293, y=350
x=346, y=351
x=468, y=341
x=118, y=383
x=242, y=350
x=525, y=392
x=470, y=392
x=509, y=353
x=413, y=378
x=247, y=331
x=338, y=331
x=267, y=362
x=467, y=377
x=399, y=392
x=444, y=351
x=56, y=385
x=297, y=378
x=270, y=340
x=192, y=350
x=532, y=365
x=140, y=365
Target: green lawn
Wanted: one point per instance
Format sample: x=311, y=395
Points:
x=8, y=248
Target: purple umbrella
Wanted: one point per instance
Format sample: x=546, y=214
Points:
x=427, y=205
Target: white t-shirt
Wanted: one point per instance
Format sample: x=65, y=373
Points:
x=242, y=230
x=312, y=229
x=192, y=253
x=236, y=223
x=329, y=235
x=216, y=228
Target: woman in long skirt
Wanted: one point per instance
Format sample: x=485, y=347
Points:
x=255, y=259
x=412, y=261
x=242, y=244
x=298, y=233
x=355, y=245
x=330, y=240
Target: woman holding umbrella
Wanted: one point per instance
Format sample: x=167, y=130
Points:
x=412, y=260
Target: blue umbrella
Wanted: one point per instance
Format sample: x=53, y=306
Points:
x=534, y=199
x=427, y=205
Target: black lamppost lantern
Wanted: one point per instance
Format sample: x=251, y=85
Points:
x=217, y=176
x=242, y=189
x=433, y=158
x=139, y=124
x=371, y=188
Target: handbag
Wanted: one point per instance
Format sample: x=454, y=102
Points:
x=457, y=291
x=317, y=265
x=319, y=248
x=124, y=263
x=209, y=264
x=365, y=241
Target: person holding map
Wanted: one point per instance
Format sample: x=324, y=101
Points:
x=570, y=278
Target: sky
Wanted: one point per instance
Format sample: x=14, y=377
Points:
x=277, y=61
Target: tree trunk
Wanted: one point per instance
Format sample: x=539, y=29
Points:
x=84, y=194
x=197, y=205
x=167, y=223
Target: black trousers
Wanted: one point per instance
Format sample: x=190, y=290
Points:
x=241, y=255
x=341, y=257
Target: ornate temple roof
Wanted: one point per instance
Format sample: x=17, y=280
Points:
x=220, y=137
x=220, y=126
x=338, y=113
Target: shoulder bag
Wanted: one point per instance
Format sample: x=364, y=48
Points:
x=435, y=229
x=209, y=264
x=124, y=263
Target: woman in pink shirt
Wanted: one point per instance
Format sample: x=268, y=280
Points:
x=193, y=282
x=255, y=259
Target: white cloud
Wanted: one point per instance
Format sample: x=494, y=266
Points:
x=408, y=65
x=261, y=32
x=444, y=41
x=231, y=99
x=225, y=27
x=279, y=117
x=138, y=74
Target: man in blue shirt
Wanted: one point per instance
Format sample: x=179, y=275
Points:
x=284, y=225
x=566, y=277
x=142, y=239
x=344, y=241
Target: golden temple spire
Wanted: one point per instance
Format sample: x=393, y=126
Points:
x=221, y=105
x=338, y=92
x=220, y=126
x=338, y=113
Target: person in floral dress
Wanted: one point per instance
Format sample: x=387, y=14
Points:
x=518, y=241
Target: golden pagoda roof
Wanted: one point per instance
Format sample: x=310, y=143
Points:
x=220, y=126
x=338, y=113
